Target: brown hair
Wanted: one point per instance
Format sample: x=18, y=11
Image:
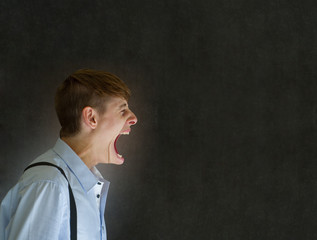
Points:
x=85, y=87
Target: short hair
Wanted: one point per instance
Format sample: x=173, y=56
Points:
x=83, y=88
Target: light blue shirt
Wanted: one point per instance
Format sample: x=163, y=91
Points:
x=38, y=208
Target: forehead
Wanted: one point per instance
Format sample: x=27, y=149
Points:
x=115, y=103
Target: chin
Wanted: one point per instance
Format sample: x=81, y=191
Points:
x=116, y=160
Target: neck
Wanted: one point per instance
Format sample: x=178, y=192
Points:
x=82, y=146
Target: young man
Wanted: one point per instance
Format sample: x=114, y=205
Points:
x=92, y=107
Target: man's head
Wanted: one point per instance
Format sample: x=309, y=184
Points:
x=83, y=88
x=94, y=104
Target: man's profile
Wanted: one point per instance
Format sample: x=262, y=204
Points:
x=92, y=108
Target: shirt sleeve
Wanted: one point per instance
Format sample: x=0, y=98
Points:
x=40, y=213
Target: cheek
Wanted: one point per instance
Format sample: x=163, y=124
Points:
x=112, y=126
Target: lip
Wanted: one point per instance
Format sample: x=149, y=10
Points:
x=115, y=143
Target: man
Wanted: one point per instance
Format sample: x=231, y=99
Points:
x=92, y=107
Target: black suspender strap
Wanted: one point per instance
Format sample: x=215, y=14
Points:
x=73, y=211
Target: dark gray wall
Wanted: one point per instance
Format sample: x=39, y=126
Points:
x=225, y=95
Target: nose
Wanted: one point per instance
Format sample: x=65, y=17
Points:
x=132, y=119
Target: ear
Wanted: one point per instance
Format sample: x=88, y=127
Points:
x=90, y=117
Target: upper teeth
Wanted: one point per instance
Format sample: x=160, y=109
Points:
x=125, y=133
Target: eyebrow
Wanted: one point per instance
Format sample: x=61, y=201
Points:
x=122, y=105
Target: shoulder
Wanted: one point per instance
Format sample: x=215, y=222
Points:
x=30, y=204
x=46, y=174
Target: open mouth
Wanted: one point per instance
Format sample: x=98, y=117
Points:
x=115, y=143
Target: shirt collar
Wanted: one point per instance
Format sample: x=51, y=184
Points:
x=87, y=178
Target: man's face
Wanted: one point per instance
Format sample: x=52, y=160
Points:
x=116, y=120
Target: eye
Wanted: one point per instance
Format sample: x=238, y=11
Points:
x=123, y=112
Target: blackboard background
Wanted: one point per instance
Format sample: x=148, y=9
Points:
x=225, y=95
